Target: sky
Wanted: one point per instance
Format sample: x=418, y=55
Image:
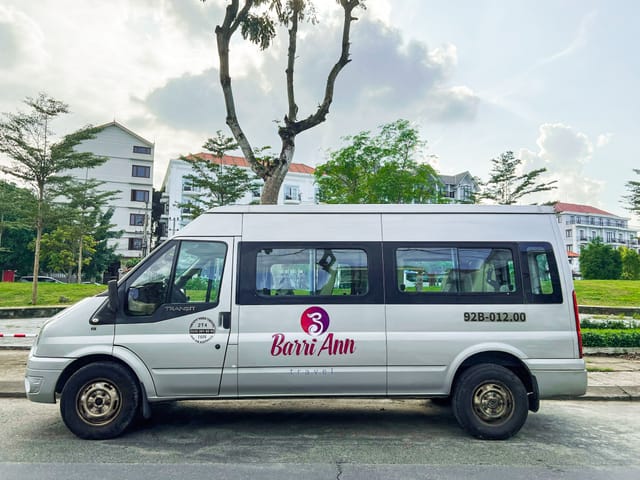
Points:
x=554, y=82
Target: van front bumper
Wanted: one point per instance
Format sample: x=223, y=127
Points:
x=559, y=377
x=42, y=376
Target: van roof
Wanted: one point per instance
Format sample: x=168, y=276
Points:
x=384, y=208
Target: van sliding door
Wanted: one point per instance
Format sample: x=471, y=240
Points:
x=311, y=319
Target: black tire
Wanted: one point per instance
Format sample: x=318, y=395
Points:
x=490, y=402
x=100, y=401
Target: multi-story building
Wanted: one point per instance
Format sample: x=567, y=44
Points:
x=460, y=188
x=298, y=188
x=128, y=170
x=581, y=224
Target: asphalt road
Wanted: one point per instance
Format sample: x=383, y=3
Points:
x=311, y=439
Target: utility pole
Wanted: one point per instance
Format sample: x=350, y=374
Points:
x=145, y=238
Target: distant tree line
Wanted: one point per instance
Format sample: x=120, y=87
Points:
x=599, y=261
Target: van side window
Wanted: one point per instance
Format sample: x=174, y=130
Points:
x=311, y=272
x=541, y=277
x=193, y=277
x=455, y=270
x=427, y=269
x=198, y=272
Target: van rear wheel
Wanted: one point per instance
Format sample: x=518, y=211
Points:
x=490, y=402
x=99, y=401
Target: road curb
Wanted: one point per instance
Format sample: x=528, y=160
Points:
x=12, y=390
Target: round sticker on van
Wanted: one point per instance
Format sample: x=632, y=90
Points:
x=315, y=321
x=202, y=330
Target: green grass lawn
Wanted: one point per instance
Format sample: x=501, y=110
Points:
x=613, y=293
x=19, y=294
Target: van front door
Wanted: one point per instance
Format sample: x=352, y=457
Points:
x=176, y=315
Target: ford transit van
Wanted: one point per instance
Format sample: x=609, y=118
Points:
x=472, y=305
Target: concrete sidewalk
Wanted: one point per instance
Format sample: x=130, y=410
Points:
x=610, y=377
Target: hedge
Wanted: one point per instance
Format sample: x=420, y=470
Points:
x=628, y=337
x=609, y=324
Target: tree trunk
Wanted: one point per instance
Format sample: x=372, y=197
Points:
x=273, y=183
x=36, y=256
x=80, y=261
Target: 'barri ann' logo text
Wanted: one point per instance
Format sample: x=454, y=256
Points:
x=315, y=322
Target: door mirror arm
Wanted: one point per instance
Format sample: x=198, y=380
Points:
x=113, y=296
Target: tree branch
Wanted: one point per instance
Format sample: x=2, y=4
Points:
x=224, y=32
x=320, y=115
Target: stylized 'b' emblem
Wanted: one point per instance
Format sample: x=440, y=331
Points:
x=315, y=321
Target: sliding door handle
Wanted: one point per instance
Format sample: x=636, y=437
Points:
x=224, y=320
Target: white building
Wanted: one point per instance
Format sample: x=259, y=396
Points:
x=298, y=188
x=581, y=223
x=459, y=188
x=129, y=170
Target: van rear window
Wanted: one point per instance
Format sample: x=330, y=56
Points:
x=542, y=283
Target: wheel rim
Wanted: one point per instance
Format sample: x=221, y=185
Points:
x=493, y=403
x=98, y=402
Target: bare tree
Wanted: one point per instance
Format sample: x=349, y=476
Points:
x=257, y=21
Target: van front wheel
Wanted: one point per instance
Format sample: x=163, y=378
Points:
x=490, y=402
x=99, y=401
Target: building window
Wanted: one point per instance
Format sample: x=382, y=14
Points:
x=141, y=171
x=140, y=196
x=568, y=233
x=136, y=219
x=187, y=186
x=135, y=244
x=292, y=192
x=139, y=149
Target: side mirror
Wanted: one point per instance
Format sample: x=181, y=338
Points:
x=113, y=295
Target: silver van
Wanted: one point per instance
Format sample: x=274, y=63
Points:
x=472, y=305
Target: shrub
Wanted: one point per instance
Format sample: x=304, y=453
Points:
x=609, y=324
x=600, y=261
x=629, y=338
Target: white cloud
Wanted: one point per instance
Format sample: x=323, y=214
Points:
x=451, y=104
x=604, y=139
x=564, y=152
x=560, y=144
x=578, y=42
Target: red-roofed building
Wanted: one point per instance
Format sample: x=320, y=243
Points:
x=298, y=188
x=581, y=224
